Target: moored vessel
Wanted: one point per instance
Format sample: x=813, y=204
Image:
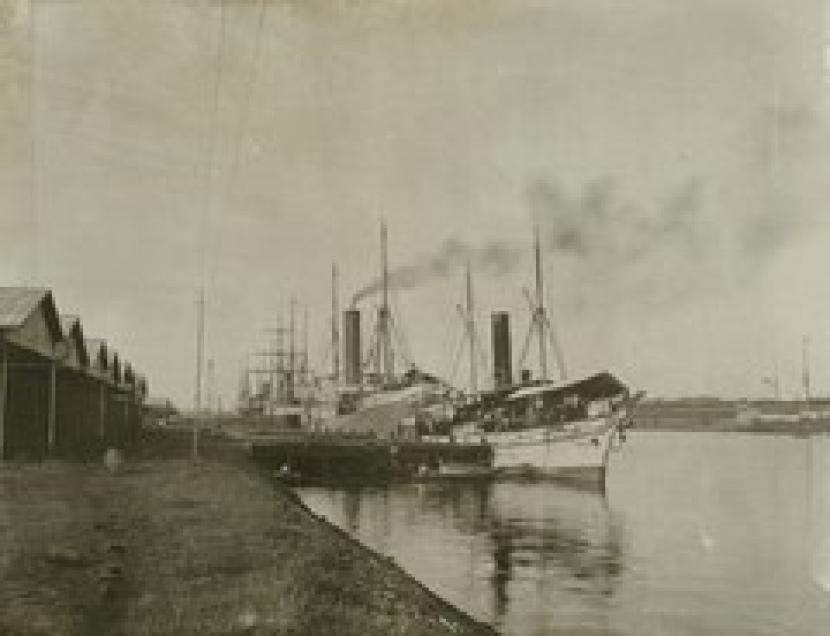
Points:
x=563, y=431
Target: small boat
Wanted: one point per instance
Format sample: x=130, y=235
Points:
x=563, y=431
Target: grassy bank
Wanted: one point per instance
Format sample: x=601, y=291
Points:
x=169, y=546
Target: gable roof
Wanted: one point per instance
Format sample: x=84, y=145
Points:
x=71, y=327
x=18, y=303
x=127, y=374
x=97, y=349
x=68, y=322
x=115, y=366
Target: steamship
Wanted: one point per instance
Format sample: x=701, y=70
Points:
x=561, y=430
x=564, y=430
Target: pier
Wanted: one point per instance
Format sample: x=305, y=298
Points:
x=343, y=457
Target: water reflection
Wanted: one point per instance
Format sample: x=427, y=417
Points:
x=685, y=542
x=523, y=546
x=566, y=544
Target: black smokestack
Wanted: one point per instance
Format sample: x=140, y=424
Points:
x=352, y=355
x=502, y=366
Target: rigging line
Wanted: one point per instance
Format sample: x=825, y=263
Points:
x=402, y=348
x=555, y=343
x=396, y=306
x=526, y=347
x=399, y=330
x=457, y=359
x=482, y=354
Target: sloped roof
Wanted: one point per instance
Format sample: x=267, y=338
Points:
x=127, y=374
x=596, y=386
x=95, y=346
x=68, y=322
x=71, y=327
x=16, y=303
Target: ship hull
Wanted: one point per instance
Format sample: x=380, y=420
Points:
x=579, y=455
x=576, y=454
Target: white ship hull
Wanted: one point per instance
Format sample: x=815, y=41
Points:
x=576, y=453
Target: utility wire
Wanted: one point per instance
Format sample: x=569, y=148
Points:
x=211, y=200
x=34, y=140
x=210, y=165
x=243, y=129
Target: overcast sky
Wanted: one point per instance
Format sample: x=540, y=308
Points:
x=673, y=152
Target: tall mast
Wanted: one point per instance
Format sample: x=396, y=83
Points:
x=292, y=353
x=210, y=389
x=280, y=360
x=200, y=343
x=540, y=307
x=471, y=332
x=273, y=376
x=805, y=368
x=335, y=329
x=776, y=382
x=305, y=369
x=385, y=361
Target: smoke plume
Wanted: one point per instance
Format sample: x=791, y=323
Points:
x=492, y=259
x=598, y=226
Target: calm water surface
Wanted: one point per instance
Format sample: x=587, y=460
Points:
x=699, y=533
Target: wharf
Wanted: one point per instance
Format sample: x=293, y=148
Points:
x=336, y=457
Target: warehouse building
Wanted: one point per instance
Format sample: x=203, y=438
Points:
x=61, y=394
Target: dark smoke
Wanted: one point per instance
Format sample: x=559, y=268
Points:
x=493, y=259
x=613, y=242
x=599, y=226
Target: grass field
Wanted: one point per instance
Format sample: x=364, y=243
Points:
x=171, y=546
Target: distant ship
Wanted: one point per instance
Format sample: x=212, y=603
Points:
x=800, y=417
x=790, y=418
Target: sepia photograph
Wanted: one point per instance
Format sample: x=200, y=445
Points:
x=414, y=317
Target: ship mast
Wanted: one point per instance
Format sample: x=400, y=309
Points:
x=540, y=317
x=292, y=354
x=304, y=367
x=335, y=328
x=200, y=345
x=471, y=332
x=805, y=368
x=540, y=322
x=384, y=362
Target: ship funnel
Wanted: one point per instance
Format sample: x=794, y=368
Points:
x=502, y=365
x=352, y=355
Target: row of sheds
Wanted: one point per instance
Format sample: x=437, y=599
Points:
x=61, y=394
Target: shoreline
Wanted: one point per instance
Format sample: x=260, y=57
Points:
x=166, y=545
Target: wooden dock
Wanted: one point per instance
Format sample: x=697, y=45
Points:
x=349, y=458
